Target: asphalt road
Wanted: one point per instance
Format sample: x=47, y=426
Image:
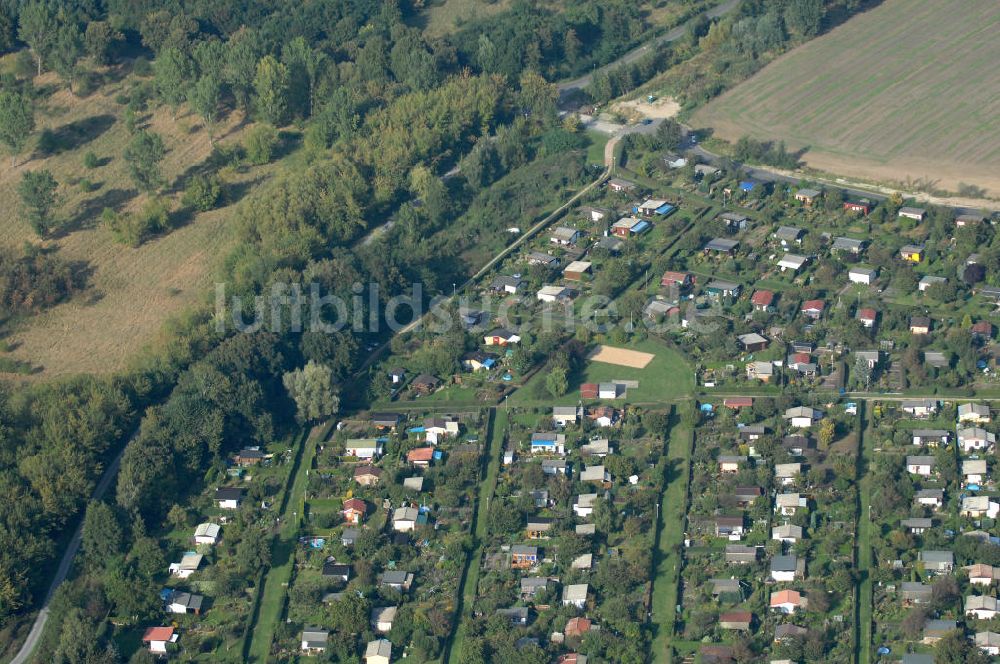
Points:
x=638, y=52
x=30, y=643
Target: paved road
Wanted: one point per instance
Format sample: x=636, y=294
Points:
x=636, y=53
x=30, y=643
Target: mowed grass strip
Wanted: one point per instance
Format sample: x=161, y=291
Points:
x=905, y=90
x=470, y=578
x=865, y=594
x=670, y=540
x=279, y=575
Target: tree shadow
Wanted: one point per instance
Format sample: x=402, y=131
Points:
x=288, y=142
x=235, y=192
x=93, y=298
x=73, y=135
x=179, y=218
x=89, y=214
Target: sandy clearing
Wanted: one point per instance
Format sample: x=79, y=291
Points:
x=620, y=356
x=662, y=108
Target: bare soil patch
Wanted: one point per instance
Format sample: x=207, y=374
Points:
x=622, y=357
x=636, y=109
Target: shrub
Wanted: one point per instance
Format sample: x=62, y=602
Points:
x=560, y=140
x=91, y=160
x=24, y=64
x=203, y=192
x=134, y=229
x=85, y=83
x=35, y=280
x=261, y=141
x=142, y=67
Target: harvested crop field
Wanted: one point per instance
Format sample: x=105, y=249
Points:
x=620, y=356
x=905, y=92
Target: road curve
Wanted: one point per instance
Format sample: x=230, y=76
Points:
x=639, y=51
x=31, y=642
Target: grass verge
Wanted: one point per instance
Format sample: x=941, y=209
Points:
x=470, y=577
x=864, y=543
x=282, y=552
x=670, y=539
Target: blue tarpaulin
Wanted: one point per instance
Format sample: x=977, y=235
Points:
x=415, y=430
x=640, y=227
x=665, y=209
x=747, y=185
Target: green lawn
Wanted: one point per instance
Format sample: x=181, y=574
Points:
x=670, y=540
x=595, y=148
x=283, y=553
x=666, y=378
x=470, y=578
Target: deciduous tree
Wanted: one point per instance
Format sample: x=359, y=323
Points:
x=38, y=196
x=204, y=99
x=556, y=382
x=270, y=86
x=38, y=29
x=98, y=40
x=17, y=122
x=143, y=156
x=242, y=51
x=173, y=69
x=313, y=389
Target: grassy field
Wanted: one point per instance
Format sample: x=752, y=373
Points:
x=665, y=378
x=470, y=578
x=132, y=290
x=905, y=91
x=595, y=148
x=670, y=539
x=442, y=17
